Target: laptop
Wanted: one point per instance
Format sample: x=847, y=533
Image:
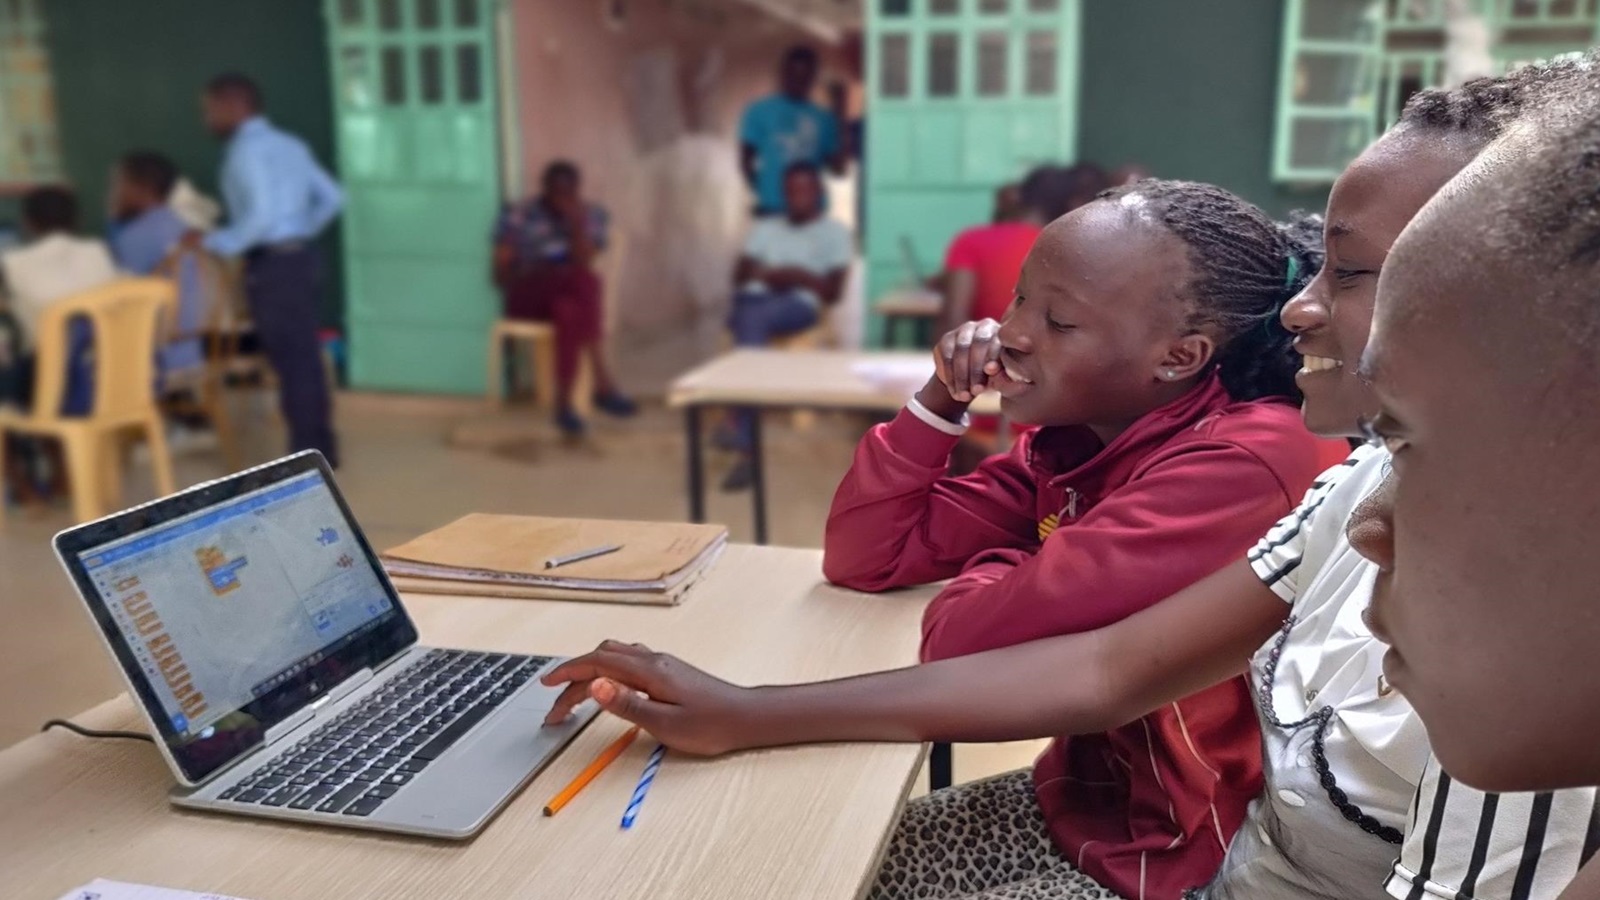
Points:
x=280, y=672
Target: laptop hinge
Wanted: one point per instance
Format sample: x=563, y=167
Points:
x=308, y=712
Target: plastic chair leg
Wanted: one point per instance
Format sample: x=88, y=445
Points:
x=113, y=446
x=544, y=371
x=160, y=457
x=496, y=384
x=84, y=473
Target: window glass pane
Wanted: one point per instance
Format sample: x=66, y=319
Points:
x=894, y=7
x=352, y=13
x=1040, y=80
x=389, y=15
x=393, y=66
x=430, y=75
x=1329, y=79
x=1338, y=20
x=993, y=60
x=469, y=73
x=428, y=14
x=1044, y=6
x=944, y=64
x=943, y=7
x=466, y=13
x=1325, y=144
x=894, y=65
x=355, y=69
x=994, y=6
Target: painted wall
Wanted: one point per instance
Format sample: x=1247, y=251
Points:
x=1189, y=91
x=128, y=76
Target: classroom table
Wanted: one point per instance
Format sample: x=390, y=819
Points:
x=790, y=379
x=803, y=822
x=910, y=308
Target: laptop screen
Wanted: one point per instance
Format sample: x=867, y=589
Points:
x=235, y=614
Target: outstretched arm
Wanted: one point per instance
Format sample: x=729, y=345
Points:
x=1077, y=683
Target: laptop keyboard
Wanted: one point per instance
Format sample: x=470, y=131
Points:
x=365, y=755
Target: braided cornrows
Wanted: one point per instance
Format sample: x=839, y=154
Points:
x=1242, y=278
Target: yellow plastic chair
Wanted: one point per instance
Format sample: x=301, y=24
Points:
x=539, y=340
x=127, y=316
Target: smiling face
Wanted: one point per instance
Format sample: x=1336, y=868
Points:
x=1483, y=362
x=1369, y=206
x=1098, y=320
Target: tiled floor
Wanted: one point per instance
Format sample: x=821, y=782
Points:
x=412, y=465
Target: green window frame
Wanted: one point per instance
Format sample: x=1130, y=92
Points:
x=1348, y=67
x=30, y=151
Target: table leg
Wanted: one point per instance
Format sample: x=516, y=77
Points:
x=941, y=767
x=697, y=466
x=758, y=481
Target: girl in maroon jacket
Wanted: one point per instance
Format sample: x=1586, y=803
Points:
x=1144, y=340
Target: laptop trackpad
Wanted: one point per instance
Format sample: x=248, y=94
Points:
x=458, y=792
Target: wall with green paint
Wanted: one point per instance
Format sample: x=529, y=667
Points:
x=1187, y=90
x=128, y=75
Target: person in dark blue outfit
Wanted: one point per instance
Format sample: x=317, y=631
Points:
x=279, y=199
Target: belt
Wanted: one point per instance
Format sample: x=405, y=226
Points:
x=282, y=248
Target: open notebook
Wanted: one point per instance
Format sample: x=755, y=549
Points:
x=504, y=556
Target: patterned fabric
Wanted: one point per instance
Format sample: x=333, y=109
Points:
x=986, y=840
x=540, y=236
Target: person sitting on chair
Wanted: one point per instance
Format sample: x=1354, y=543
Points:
x=544, y=252
x=147, y=231
x=792, y=266
x=56, y=264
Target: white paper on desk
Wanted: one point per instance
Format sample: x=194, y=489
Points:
x=101, y=889
x=897, y=376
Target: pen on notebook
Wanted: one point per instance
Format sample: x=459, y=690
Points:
x=649, y=775
x=606, y=758
x=556, y=562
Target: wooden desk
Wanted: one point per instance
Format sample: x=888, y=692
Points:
x=790, y=379
x=805, y=822
x=916, y=308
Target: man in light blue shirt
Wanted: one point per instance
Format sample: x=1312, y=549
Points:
x=279, y=199
x=787, y=128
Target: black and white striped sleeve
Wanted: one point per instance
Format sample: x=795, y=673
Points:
x=1277, y=556
x=1464, y=844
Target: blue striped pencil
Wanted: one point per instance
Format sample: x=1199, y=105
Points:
x=644, y=786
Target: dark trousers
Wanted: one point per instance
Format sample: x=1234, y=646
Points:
x=281, y=286
x=758, y=317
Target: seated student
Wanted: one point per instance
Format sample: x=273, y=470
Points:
x=544, y=252
x=792, y=267
x=55, y=264
x=147, y=231
x=1341, y=767
x=982, y=263
x=1488, y=597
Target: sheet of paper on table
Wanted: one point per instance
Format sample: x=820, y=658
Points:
x=898, y=376
x=102, y=889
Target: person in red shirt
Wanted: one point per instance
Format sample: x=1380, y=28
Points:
x=982, y=263
x=1144, y=341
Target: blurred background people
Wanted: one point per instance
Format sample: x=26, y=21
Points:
x=544, y=264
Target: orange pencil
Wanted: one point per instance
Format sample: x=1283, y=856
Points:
x=606, y=758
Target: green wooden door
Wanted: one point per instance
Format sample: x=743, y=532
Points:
x=963, y=96
x=414, y=86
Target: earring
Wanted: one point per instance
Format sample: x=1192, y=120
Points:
x=1170, y=374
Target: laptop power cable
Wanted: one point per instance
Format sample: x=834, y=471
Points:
x=75, y=728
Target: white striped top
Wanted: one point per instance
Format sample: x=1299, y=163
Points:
x=1466, y=844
